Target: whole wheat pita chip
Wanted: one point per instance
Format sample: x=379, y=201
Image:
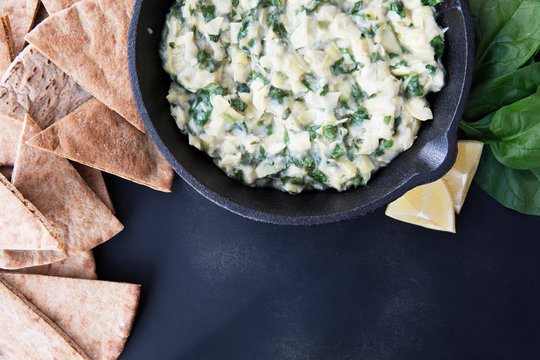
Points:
x=21, y=15
x=98, y=137
x=6, y=171
x=80, y=266
x=28, y=334
x=98, y=315
x=54, y=6
x=94, y=179
x=88, y=41
x=62, y=196
x=7, y=51
x=34, y=85
x=10, y=132
x=22, y=226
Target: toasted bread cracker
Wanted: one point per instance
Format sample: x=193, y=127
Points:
x=79, y=266
x=21, y=15
x=98, y=315
x=22, y=226
x=10, y=131
x=7, y=51
x=62, y=196
x=94, y=179
x=93, y=33
x=98, y=137
x=34, y=85
x=28, y=334
x=54, y=6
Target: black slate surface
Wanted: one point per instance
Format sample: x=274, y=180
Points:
x=217, y=286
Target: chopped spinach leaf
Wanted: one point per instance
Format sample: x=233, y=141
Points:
x=437, y=43
x=277, y=95
x=201, y=107
x=209, y=12
x=398, y=7
x=238, y=105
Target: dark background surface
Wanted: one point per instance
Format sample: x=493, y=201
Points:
x=217, y=286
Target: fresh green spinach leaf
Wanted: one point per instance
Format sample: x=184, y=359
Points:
x=512, y=35
x=201, y=107
x=492, y=94
x=517, y=128
x=516, y=189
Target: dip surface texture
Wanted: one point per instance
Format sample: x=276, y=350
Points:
x=301, y=94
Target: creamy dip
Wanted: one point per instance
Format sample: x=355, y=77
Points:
x=302, y=94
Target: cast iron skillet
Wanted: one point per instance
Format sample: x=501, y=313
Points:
x=431, y=156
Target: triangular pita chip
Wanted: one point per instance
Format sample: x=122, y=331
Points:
x=94, y=179
x=62, y=196
x=88, y=41
x=54, y=6
x=22, y=226
x=98, y=137
x=34, y=85
x=21, y=15
x=80, y=266
x=98, y=315
x=7, y=52
x=10, y=132
x=27, y=334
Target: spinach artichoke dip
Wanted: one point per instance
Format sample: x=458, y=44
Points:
x=302, y=94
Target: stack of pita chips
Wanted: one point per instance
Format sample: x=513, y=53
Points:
x=66, y=114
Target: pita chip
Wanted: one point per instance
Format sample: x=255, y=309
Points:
x=7, y=52
x=22, y=226
x=62, y=196
x=97, y=315
x=54, y=6
x=98, y=137
x=27, y=334
x=93, y=33
x=21, y=15
x=80, y=266
x=34, y=85
x=10, y=132
x=94, y=179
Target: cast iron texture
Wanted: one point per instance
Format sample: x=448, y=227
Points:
x=431, y=156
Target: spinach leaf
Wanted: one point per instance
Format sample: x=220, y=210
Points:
x=357, y=8
x=215, y=88
x=339, y=68
x=517, y=128
x=238, y=105
x=412, y=86
x=431, y=2
x=201, y=107
x=209, y=12
x=516, y=189
x=257, y=75
x=478, y=130
x=398, y=7
x=494, y=93
x=243, y=30
x=277, y=94
x=437, y=43
x=206, y=62
x=331, y=132
x=512, y=38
